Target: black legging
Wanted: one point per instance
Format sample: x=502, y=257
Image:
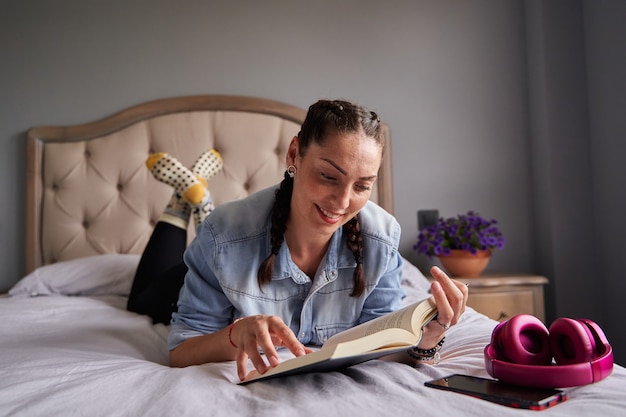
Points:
x=160, y=274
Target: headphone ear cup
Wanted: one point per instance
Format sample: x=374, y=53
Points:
x=571, y=342
x=524, y=340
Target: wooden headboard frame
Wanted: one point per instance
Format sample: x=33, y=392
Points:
x=88, y=191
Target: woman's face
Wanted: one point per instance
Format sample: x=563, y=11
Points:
x=333, y=182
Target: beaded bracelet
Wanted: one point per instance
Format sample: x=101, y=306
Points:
x=427, y=354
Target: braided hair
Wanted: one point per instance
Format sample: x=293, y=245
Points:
x=324, y=118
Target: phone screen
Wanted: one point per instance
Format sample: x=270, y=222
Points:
x=499, y=392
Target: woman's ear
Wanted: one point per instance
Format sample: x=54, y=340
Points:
x=292, y=152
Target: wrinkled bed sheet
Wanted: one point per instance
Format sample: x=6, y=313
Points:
x=68, y=356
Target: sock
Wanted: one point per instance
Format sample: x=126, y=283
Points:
x=207, y=165
x=176, y=212
x=191, y=186
x=169, y=170
x=202, y=210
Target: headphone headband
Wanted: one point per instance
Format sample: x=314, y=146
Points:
x=549, y=376
x=598, y=367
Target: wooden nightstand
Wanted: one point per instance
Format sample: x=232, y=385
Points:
x=502, y=296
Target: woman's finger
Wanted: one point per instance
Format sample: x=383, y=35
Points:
x=445, y=313
x=263, y=340
x=242, y=361
x=284, y=336
x=455, y=293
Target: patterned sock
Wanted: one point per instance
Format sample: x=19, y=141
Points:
x=169, y=170
x=207, y=165
x=176, y=212
x=202, y=210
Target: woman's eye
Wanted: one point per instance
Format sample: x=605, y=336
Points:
x=358, y=187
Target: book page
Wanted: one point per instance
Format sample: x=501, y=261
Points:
x=386, y=334
x=409, y=318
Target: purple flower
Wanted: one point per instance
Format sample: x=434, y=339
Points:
x=468, y=232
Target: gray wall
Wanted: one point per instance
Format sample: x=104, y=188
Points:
x=605, y=42
x=506, y=107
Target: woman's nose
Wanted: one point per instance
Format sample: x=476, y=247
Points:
x=342, y=197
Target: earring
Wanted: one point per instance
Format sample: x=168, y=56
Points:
x=291, y=171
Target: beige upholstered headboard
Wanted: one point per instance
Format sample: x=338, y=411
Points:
x=89, y=192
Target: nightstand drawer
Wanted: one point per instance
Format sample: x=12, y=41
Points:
x=502, y=305
x=502, y=296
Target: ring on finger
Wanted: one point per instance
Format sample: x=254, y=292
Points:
x=445, y=326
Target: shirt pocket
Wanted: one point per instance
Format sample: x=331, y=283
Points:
x=324, y=332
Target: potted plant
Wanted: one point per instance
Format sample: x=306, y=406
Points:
x=463, y=243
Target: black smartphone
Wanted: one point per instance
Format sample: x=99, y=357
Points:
x=500, y=392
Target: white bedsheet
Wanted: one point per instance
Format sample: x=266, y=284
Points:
x=88, y=356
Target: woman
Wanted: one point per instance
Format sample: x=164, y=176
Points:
x=293, y=266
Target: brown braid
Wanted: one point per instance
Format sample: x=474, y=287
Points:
x=324, y=118
x=355, y=244
x=280, y=214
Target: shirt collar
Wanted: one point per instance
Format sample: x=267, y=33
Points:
x=337, y=256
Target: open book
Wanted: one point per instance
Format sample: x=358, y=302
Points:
x=382, y=336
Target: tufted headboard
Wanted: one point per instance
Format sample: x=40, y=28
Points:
x=88, y=189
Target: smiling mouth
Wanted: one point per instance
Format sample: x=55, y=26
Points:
x=332, y=216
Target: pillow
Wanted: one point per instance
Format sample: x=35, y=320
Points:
x=95, y=275
x=415, y=284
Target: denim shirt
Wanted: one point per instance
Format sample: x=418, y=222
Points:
x=221, y=284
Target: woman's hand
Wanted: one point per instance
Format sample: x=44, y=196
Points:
x=252, y=333
x=450, y=297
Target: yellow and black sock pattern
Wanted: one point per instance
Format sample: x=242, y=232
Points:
x=167, y=169
x=207, y=165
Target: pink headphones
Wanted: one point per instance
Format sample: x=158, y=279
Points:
x=522, y=349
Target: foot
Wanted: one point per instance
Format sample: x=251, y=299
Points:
x=169, y=170
x=207, y=165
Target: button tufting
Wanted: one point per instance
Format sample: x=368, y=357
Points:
x=120, y=187
x=86, y=224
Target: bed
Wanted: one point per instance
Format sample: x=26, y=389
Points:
x=68, y=345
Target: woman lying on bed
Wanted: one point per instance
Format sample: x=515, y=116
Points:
x=287, y=266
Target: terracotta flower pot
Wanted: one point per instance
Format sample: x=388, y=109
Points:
x=465, y=264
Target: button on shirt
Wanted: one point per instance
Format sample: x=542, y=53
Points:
x=221, y=284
